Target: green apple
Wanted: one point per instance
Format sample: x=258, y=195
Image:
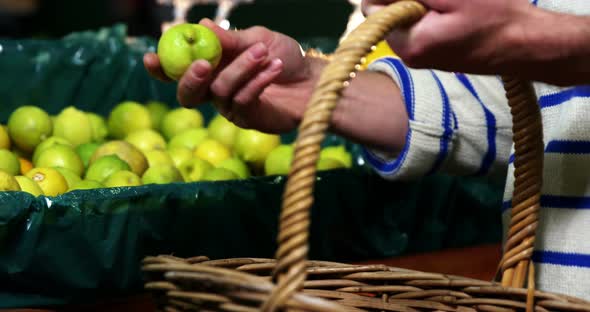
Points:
x=122, y=178
x=180, y=155
x=162, y=174
x=194, y=169
x=104, y=167
x=338, y=153
x=223, y=130
x=146, y=140
x=220, y=174
x=236, y=165
x=279, y=160
x=61, y=156
x=190, y=138
x=254, y=146
x=182, y=44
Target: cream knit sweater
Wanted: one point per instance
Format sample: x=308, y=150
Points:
x=461, y=124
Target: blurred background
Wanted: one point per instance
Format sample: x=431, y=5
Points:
x=56, y=18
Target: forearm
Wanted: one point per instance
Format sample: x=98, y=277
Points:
x=552, y=48
x=370, y=111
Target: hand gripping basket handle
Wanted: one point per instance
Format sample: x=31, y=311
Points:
x=515, y=267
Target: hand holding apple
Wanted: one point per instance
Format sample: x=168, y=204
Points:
x=263, y=80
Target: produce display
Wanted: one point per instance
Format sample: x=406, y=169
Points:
x=136, y=144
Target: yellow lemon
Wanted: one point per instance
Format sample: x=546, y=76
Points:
x=51, y=182
x=212, y=151
x=28, y=185
x=8, y=182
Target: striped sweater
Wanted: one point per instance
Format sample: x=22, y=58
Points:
x=461, y=124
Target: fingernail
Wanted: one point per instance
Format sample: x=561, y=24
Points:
x=199, y=70
x=258, y=51
x=374, y=8
x=275, y=65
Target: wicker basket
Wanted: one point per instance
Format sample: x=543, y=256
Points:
x=293, y=283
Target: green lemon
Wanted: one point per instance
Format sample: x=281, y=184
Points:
x=194, y=169
x=99, y=127
x=85, y=151
x=338, y=153
x=237, y=166
x=157, y=112
x=9, y=162
x=71, y=177
x=51, y=141
x=329, y=164
x=179, y=120
x=86, y=185
x=278, y=161
x=161, y=174
x=212, y=151
x=128, y=117
x=158, y=158
x=220, y=174
x=122, y=178
x=180, y=155
x=28, y=126
x=127, y=152
x=190, y=138
x=73, y=125
x=254, y=146
x=223, y=130
x=61, y=156
x=4, y=138
x=104, y=167
x=146, y=140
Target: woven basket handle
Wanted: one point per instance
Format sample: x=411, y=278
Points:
x=290, y=272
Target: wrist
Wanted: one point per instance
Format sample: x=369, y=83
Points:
x=548, y=46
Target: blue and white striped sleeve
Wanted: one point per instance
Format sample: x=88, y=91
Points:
x=458, y=124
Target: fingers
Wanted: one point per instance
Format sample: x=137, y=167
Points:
x=236, y=74
x=237, y=41
x=240, y=82
x=193, y=87
x=369, y=7
x=152, y=65
x=252, y=90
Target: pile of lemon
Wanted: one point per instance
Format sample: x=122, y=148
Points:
x=136, y=144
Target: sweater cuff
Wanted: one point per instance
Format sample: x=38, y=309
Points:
x=431, y=123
